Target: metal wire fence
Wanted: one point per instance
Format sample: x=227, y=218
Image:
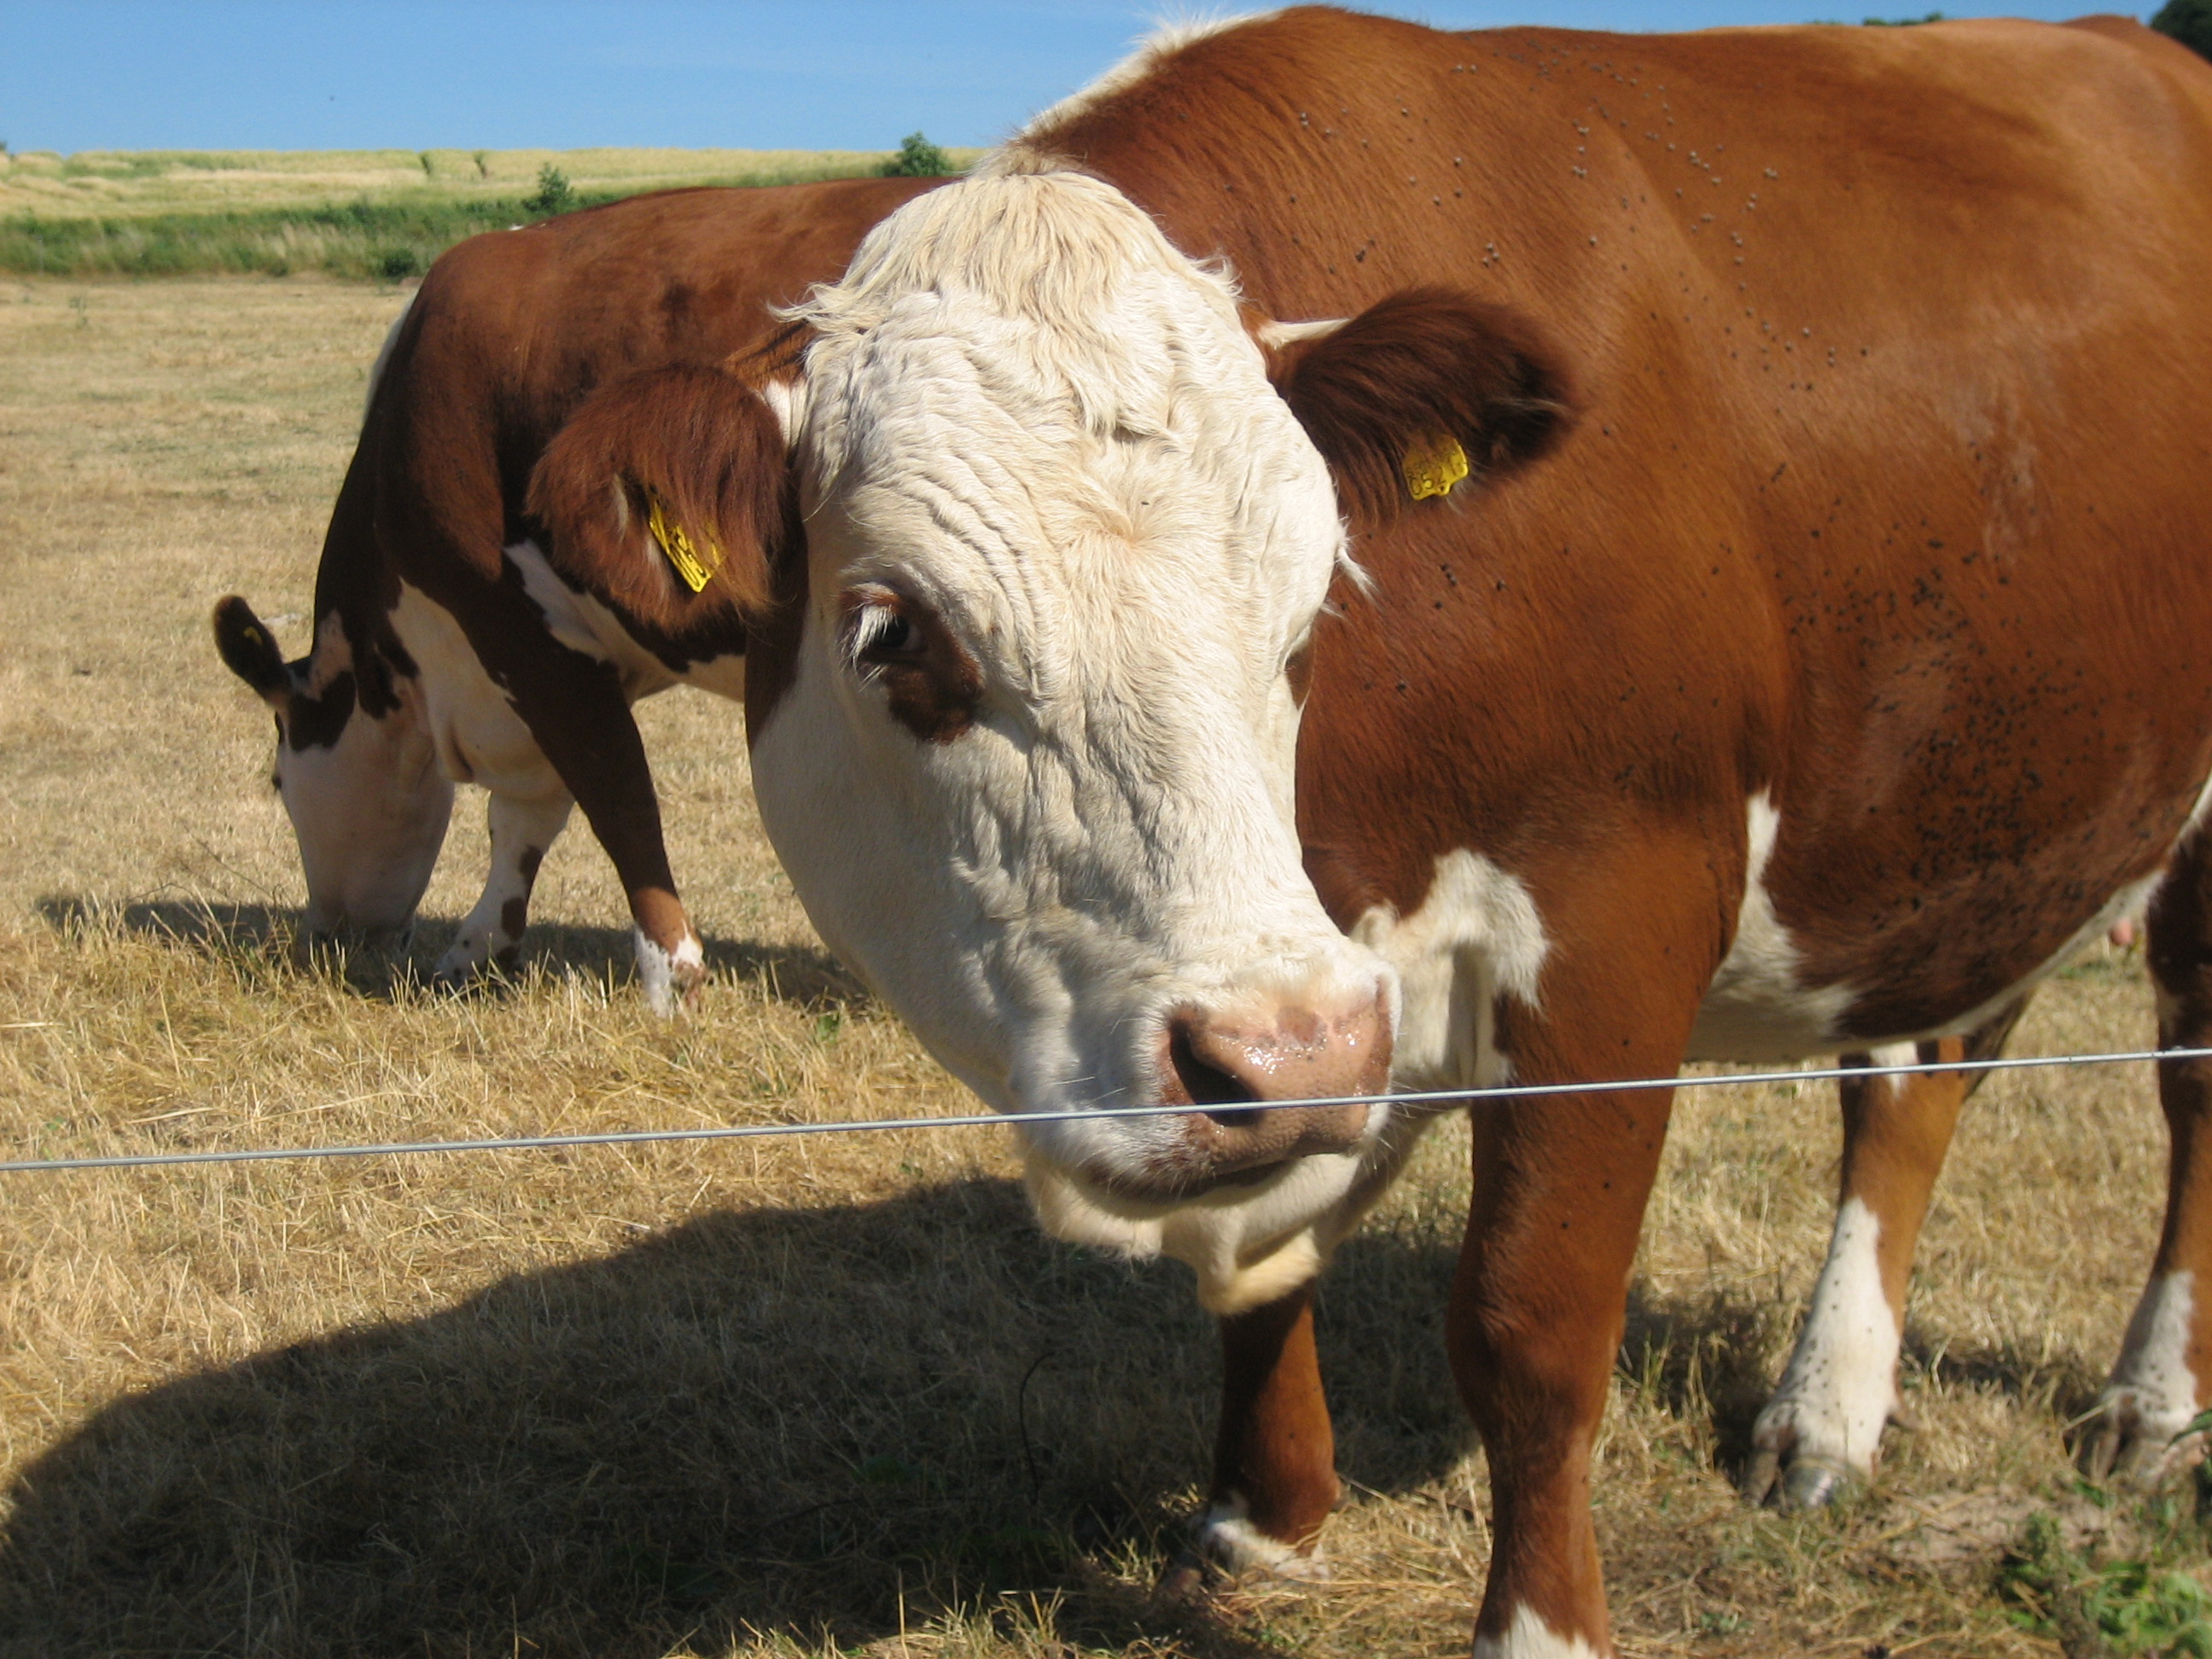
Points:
x=858, y=1126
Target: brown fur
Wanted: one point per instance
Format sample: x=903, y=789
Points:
x=1888, y=496
x=704, y=444
x=509, y=335
x=1424, y=361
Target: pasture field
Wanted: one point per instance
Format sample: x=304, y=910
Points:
x=811, y=1396
x=349, y=213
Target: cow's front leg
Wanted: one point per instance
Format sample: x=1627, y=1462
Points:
x=576, y=710
x=1540, y=1298
x=523, y=829
x=1274, y=1461
x=1822, y=1429
x=1537, y=1310
x=2141, y=1430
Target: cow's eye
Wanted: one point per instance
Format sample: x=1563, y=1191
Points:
x=892, y=634
x=882, y=633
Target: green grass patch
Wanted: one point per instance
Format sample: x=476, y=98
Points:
x=380, y=216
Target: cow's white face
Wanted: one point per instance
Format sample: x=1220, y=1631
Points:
x=1031, y=768
x=367, y=799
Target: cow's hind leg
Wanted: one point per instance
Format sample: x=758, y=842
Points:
x=1822, y=1429
x=523, y=829
x=2140, y=1429
x=1274, y=1465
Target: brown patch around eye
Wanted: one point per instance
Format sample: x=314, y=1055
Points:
x=1298, y=671
x=931, y=683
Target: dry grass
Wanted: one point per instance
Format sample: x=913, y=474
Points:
x=789, y=1398
x=134, y=183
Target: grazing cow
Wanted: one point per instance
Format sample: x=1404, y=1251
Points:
x=444, y=650
x=1778, y=481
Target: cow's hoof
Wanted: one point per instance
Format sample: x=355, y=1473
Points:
x=2125, y=1445
x=1806, y=1481
x=1186, y=1582
x=459, y=970
x=670, y=979
x=1237, y=1547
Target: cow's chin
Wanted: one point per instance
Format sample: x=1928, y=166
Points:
x=1165, y=1186
x=1248, y=1233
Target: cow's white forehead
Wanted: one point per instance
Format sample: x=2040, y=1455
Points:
x=1021, y=363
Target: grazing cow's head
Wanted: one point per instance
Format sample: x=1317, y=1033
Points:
x=358, y=774
x=1046, y=559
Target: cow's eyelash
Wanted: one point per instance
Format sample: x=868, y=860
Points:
x=880, y=630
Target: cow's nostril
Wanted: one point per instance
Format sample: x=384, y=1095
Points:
x=1208, y=1087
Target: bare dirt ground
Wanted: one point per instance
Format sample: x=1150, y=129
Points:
x=810, y=1396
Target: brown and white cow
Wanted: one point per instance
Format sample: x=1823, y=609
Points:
x=444, y=649
x=1813, y=659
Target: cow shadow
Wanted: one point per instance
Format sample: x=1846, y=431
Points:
x=831, y=1424
x=391, y=968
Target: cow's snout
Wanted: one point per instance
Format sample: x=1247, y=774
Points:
x=1231, y=1064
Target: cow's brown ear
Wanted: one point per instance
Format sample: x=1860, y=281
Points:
x=250, y=652
x=1421, y=390
x=668, y=493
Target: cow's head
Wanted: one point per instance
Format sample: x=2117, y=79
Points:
x=1043, y=537
x=355, y=764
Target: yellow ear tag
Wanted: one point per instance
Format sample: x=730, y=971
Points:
x=676, y=545
x=1433, y=465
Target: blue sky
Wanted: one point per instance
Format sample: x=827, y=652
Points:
x=511, y=74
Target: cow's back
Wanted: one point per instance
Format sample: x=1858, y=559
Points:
x=1889, y=502
x=512, y=329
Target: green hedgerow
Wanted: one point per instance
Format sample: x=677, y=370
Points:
x=917, y=158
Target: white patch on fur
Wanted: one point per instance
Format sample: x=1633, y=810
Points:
x=662, y=975
x=1476, y=937
x=579, y=621
x=656, y=976
x=2153, y=1393
x=369, y=811
x=1530, y=1637
x=1162, y=42
x=787, y=401
x=1841, y=1383
x=519, y=827
x=1896, y=1053
x=1228, y=1538
x=1756, y=1008
x=1275, y=334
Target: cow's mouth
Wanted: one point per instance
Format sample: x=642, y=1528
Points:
x=1223, y=1147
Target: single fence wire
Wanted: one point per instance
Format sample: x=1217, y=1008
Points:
x=1439, y=1098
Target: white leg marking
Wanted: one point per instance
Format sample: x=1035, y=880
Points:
x=1226, y=1536
x=666, y=975
x=1530, y=1637
x=2153, y=1394
x=521, y=831
x=1841, y=1383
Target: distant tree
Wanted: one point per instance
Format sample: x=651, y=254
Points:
x=554, y=195
x=917, y=158
x=2189, y=22
x=1903, y=23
